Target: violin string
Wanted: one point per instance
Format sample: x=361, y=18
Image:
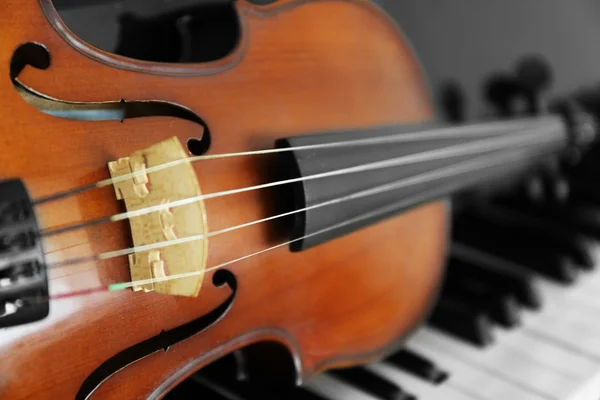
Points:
x=407, y=202
x=532, y=136
x=373, y=214
x=440, y=173
x=452, y=132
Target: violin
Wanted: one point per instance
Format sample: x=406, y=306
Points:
x=156, y=217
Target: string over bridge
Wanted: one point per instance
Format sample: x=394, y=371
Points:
x=144, y=190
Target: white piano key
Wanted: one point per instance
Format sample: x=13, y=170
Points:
x=544, y=332
x=565, y=335
x=590, y=390
x=568, y=338
x=516, y=367
x=576, y=293
x=475, y=381
x=547, y=353
x=420, y=388
x=567, y=322
x=577, y=331
x=555, y=355
x=573, y=310
x=590, y=281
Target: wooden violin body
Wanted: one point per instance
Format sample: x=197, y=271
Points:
x=300, y=67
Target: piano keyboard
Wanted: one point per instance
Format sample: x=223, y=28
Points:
x=553, y=354
x=520, y=320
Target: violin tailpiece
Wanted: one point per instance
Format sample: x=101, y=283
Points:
x=146, y=190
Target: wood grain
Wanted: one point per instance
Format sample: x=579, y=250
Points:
x=301, y=66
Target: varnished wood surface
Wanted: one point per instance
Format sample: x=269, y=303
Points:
x=301, y=66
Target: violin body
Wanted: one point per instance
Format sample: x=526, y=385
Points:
x=300, y=67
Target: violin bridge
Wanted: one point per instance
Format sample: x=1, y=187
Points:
x=159, y=187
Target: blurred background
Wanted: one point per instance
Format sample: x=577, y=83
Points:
x=460, y=40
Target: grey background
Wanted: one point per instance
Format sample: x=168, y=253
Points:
x=468, y=39
x=464, y=40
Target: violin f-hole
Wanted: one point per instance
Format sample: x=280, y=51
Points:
x=37, y=55
x=161, y=342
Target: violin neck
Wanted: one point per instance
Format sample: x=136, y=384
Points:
x=353, y=179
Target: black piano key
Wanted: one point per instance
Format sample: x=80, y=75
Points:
x=504, y=310
x=371, y=383
x=500, y=306
x=554, y=266
x=192, y=389
x=237, y=389
x=230, y=387
x=224, y=389
x=588, y=166
x=528, y=252
x=301, y=394
x=582, y=217
x=471, y=263
x=585, y=189
x=222, y=376
x=463, y=321
x=549, y=231
x=418, y=366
